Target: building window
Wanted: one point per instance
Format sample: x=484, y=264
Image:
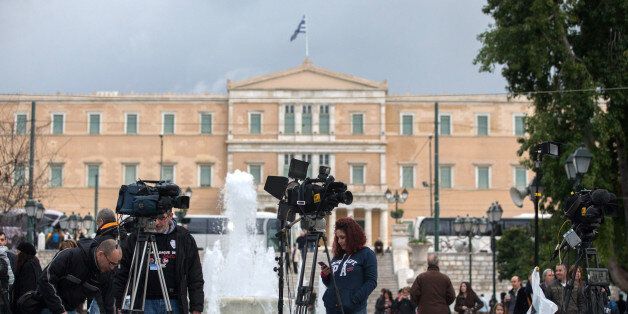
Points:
x=306, y=120
x=130, y=123
x=255, y=123
x=286, y=164
x=256, y=172
x=58, y=123
x=445, y=177
x=357, y=123
x=323, y=160
x=93, y=174
x=94, y=123
x=445, y=124
x=167, y=173
x=19, y=176
x=56, y=175
x=130, y=173
x=518, y=125
x=407, y=177
x=357, y=174
x=521, y=177
x=168, y=121
x=205, y=175
x=206, y=123
x=323, y=119
x=407, y=121
x=483, y=177
x=481, y=123
x=288, y=120
x=20, y=123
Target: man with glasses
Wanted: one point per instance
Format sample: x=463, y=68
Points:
x=72, y=276
x=181, y=266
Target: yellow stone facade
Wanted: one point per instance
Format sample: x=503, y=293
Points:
x=381, y=152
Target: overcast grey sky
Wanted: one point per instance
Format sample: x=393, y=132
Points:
x=419, y=46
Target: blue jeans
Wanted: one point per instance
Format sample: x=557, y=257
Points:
x=158, y=306
x=93, y=308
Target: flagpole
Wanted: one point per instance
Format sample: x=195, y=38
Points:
x=306, y=39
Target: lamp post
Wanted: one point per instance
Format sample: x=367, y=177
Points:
x=31, y=208
x=494, y=214
x=470, y=227
x=396, y=198
x=577, y=164
x=183, y=211
x=87, y=222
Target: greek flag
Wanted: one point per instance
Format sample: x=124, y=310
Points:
x=300, y=29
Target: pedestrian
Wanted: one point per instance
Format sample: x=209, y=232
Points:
x=301, y=239
x=499, y=308
x=621, y=304
x=181, y=267
x=403, y=304
x=575, y=272
x=106, y=228
x=384, y=302
x=54, y=238
x=296, y=258
x=570, y=301
x=467, y=301
x=27, y=272
x=379, y=247
x=67, y=244
x=486, y=308
x=70, y=278
x=548, y=278
x=516, y=300
x=432, y=290
x=354, y=269
x=12, y=257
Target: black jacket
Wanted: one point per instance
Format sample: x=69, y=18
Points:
x=404, y=306
x=521, y=301
x=70, y=278
x=188, y=270
x=25, y=279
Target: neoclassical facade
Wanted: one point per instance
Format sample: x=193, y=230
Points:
x=373, y=141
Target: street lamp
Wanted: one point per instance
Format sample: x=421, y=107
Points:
x=31, y=209
x=87, y=222
x=470, y=227
x=396, y=198
x=577, y=164
x=63, y=222
x=494, y=214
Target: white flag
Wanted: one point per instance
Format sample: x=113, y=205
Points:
x=541, y=304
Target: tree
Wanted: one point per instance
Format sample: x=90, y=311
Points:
x=570, y=58
x=514, y=259
x=14, y=157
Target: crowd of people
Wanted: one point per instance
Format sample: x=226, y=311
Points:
x=94, y=272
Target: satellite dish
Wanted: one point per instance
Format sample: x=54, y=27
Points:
x=518, y=195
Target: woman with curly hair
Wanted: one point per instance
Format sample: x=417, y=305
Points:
x=354, y=268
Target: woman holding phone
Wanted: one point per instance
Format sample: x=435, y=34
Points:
x=354, y=268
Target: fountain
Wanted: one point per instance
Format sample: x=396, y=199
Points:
x=240, y=279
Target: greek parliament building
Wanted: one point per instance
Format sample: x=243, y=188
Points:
x=372, y=141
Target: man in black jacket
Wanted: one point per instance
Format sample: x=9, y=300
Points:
x=72, y=275
x=517, y=299
x=181, y=267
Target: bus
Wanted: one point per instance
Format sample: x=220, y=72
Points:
x=207, y=229
x=450, y=241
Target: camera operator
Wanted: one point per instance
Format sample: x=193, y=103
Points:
x=106, y=228
x=72, y=275
x=354, y=269
x=181, y=267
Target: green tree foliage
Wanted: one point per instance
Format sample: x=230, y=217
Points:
x=570, y=58
x=515, y=253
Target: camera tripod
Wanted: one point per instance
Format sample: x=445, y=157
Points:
x=140, y=266
x=596, y=279
x=305, y=294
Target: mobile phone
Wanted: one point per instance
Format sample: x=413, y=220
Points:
x=322, y=264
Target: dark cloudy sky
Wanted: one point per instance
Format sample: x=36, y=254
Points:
x=419, y=46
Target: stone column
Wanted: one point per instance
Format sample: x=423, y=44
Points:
x=383, y=226
x=368, y=226
x=350, y=212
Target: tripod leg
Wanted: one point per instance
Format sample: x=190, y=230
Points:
x=162, y=280
x=131, y=274
x=333, y=279
x=138, y=277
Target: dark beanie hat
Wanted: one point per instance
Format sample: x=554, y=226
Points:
x=27, y=248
